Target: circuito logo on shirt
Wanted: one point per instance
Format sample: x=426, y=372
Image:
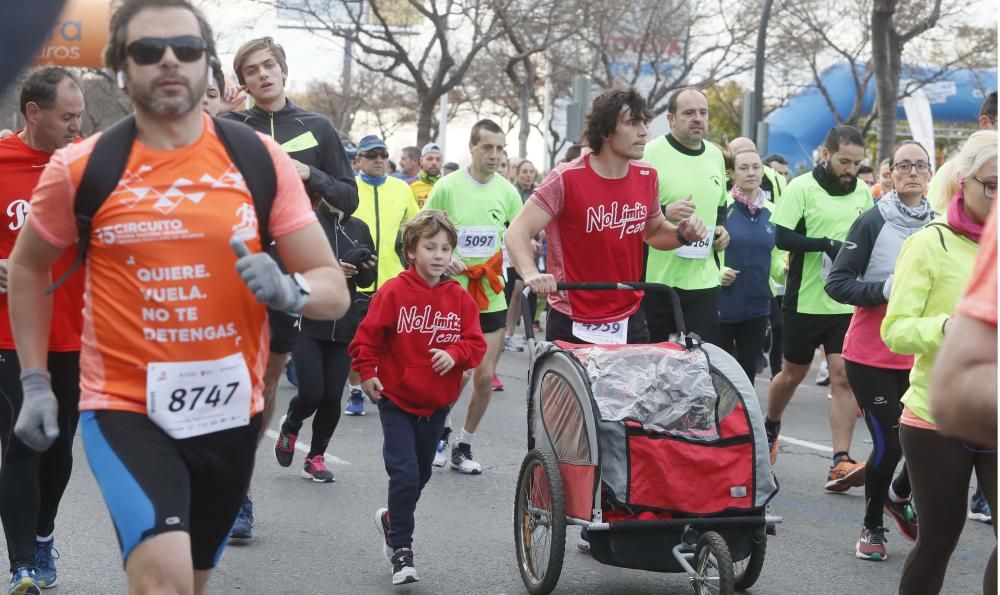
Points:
x=442, y=328
x=624, y=218
x=17, y=210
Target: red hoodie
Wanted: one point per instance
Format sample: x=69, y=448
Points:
x=406, y=318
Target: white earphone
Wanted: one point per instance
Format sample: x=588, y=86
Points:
x=121, y=79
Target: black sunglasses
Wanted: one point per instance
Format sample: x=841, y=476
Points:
x=150, y=50
x=375, y=155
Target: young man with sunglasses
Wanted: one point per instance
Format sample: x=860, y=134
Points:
x=32, y=484
x=385, y=203
x=318, y=154
x=171, y=358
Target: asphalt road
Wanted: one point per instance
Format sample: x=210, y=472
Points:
x=320, y=538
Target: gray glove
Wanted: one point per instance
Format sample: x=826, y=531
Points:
x=37, y=425
x=265, y=280
x=887, y=288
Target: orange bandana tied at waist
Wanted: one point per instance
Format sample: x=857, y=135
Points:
x=491, y=269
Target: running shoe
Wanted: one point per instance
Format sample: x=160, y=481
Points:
x=772, y=442
x=23, y=581
x=243, y=527
x=497, y=385
x=846, y=474
x=979, y=508
x=290, y=374
x=584, y=543
x=382, y=524
x=315, y=469
x=823, y=375
x=355, y=403
x=871, y=545
x=284, y=447
x=905, y=516
x=441, y=456
x=513, y=343
x=461, y=460
x=403, y=571
x=45, y=563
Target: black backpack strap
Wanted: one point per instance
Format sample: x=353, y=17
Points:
x=104, y=170
x=250, y=156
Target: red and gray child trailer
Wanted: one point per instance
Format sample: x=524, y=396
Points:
x=658, y=451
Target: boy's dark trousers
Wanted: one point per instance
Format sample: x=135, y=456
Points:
x=410, y=442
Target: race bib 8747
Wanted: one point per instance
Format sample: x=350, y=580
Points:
x=193, y=398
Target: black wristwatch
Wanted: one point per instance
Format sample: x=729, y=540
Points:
x=680, y=238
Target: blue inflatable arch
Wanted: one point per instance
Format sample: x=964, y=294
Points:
x=800, y=125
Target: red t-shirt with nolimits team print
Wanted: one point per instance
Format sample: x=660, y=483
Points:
x=597, y=234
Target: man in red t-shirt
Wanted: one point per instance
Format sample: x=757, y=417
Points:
x=597, y=212
x=31, y=484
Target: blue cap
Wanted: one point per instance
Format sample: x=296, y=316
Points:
x=371, y=142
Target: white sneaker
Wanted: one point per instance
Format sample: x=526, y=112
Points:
x=461, y=460
x=513, y=343
x=441, y=456
x=823, y=375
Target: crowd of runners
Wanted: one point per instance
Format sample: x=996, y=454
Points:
x=175, y=265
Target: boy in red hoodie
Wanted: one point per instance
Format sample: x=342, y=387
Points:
x=421, y=333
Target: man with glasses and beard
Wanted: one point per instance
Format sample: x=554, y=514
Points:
x=811, y=222
x=171, y=361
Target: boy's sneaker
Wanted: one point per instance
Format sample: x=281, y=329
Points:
x=905, y=517
x=24, y=581
x=284, y=447
x=979, y=508
x=846, y=474
x=45, y=563
x=382, y=524
x=441, y=456
x=871, y=545
x=461, y=460
x=355, y=403
x=403, y=571
x=497, y=385
x=315, y=469
x=243, y=527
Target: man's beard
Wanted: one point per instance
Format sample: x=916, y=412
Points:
x=174, y=106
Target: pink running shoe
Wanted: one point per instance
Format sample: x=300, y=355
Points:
x=497, y=385
x=315, y=469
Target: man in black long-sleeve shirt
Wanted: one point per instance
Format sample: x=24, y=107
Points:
x=315, y=147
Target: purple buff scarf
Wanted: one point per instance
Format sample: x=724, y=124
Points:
x=752, y=205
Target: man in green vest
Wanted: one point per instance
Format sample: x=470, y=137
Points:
x=692, y=181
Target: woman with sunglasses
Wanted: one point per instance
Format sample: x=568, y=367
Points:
x=862, y=276
x=932, y=270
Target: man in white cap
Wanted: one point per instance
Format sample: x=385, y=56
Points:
x=431, y=158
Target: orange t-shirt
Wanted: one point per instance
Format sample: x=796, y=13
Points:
x=161, y=280
x=980, y=299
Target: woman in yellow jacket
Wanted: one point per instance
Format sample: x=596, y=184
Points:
x=932, y=270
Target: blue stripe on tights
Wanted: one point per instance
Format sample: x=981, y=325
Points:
x=131, y=509
x=878, y=438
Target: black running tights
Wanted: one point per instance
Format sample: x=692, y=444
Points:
x=745, y=340
x=940, y=471
x=32, y=483
x=322, y=368
x=878, y=391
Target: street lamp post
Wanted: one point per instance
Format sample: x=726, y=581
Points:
x=758, y=78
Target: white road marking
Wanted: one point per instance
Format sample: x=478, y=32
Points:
x=305, y=450
x=790, y=440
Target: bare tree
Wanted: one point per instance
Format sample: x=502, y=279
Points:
x=430, y=62
x=105, y=102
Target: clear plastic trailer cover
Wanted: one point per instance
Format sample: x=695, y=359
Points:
x=666, y=390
